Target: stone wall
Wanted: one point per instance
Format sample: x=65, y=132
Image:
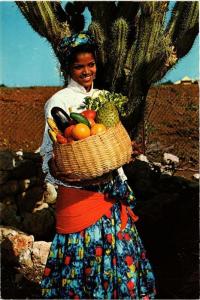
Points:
x=26, y=203
x=27, y=222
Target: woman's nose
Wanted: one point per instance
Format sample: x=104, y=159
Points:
x=85, y=70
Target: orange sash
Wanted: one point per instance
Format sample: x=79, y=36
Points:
x=77, y=209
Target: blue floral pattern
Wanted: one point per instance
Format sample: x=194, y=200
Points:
x=102, y=261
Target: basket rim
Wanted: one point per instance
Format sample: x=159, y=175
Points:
x=89, y=137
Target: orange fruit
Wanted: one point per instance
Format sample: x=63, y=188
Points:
x=68, y=131
x=97, y=128
x=80, y=131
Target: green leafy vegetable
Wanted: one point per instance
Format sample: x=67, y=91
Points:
x=96, y=102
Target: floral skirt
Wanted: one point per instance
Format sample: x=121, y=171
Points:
x=100, y=262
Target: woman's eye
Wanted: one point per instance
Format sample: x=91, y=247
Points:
x=77, y=67
x=92, y=64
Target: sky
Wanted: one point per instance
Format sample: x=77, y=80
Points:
x=27, y=59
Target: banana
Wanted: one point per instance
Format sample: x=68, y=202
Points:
x=52, y=125
x=52, y=135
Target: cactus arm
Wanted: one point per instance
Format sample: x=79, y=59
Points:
x=149, y=43
x=74, y=11
x=179, y=35
x=103, y=12
x=118, y=49
x=184, y=16
x=187, y=30
x=96, y=30
x=30, y=17
x=41, y=15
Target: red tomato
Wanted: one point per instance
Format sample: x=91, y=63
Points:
x=61, y=139
x=89, y=113
x=68, y=131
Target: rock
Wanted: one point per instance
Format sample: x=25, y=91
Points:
x=141, y=178
x=153, y=147
x=9, y=188
x=142, y=157
x=40, y=207
x=4, y=176
x=40, y=252
x=9, y=215
x=28, y=200
x=41, y=224
x=14, y=243
x=170, y=158
x=19, y=154
x=172, y=183
x=25, y=259
x=7, y=161
x=50, y=193
x=25, y=169
x=28, y=183
x=20, y=250
x=36, y=157
x=10, y=199
x=196, y=176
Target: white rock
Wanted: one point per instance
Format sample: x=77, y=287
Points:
x=169, y=158
x=157, y=164
x=142, y=157
x=37, y=150
x=20, y=154
x=40, y=251
x=25, y=258
x=50, y=193
x=196, y=176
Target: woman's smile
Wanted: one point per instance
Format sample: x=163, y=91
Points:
x=83, y=70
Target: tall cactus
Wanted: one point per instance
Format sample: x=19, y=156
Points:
x=135, y=45
x=96, y=30
x=118, y=48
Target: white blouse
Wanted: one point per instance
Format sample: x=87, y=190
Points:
x=70, y=97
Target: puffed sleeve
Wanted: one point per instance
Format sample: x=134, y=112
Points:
x=46, y=149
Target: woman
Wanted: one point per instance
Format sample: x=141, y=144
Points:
x=103, y=258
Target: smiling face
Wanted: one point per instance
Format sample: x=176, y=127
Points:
x=83, y=69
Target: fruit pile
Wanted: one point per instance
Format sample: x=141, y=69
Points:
x=64, y=128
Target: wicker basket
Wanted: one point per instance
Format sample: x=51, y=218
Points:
x=94, y=156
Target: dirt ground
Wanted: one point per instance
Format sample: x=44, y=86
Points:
x=170, y=125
